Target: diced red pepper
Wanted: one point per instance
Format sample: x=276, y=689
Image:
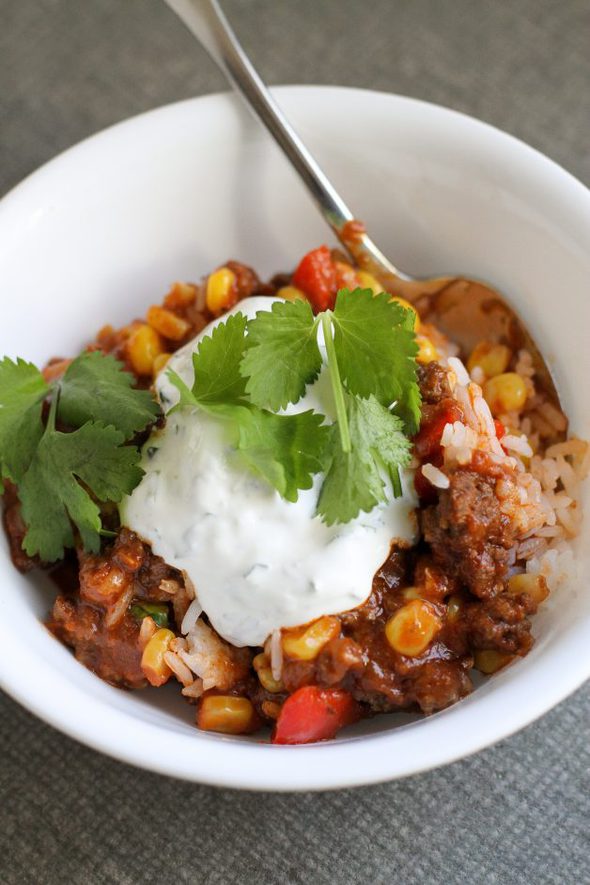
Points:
x=314, y=714
x=500, y=429
x=427, y=440
x=316, y=276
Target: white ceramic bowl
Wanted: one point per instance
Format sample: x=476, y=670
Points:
x=99, y=233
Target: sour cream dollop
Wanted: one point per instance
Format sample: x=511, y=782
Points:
x=257, y=562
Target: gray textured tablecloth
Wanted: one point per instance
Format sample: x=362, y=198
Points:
x=516, y=813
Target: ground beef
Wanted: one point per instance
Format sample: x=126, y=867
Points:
x=501, y=624
x=434, y=383
x=469, y=536
x=380, y=689
x=438, y=684
x=113, y=654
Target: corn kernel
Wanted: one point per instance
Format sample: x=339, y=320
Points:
x=534, y=586
x=412, y=628
x=488, y=661
x=143, y=346
x=180, y=295
x=261, y=664
x=491, y=358
x=454, y=606
x=159, y=363
x=368, y=281
x=291, y=293
x=406, y=304
x=427, y=352
x=221, y=290
x=167, y=323
x=505, y=393
x=260, y=661
x=226, y=714
x=153, y=665
x=306, y=645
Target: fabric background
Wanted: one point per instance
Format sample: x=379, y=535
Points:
x=516, y=813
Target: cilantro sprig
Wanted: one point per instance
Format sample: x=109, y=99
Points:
x=246, y=371
x=51, y=495
x=61, y=474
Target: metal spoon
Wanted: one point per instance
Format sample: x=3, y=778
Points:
x=464, y=309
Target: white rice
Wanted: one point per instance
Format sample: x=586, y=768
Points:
x=146, y=631
x=460, y=371
x=116, y=612
x=179, y=668
x=518, y=444
x=276, y=655
x=193, y=612
x=556, y=565
x=435, y=476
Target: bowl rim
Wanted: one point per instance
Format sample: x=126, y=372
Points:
x=128, y=738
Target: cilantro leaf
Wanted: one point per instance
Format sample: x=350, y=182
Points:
x=347, y=489
x=22, y=390
x=408, y=408
x=376, y=349
x=52, y=497
x=379, y=436
x=286, y=450
x=95, y=387
x=282, y=355
x=217, y=362
x=354, y=481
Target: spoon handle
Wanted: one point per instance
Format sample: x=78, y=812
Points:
x=205, y=19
